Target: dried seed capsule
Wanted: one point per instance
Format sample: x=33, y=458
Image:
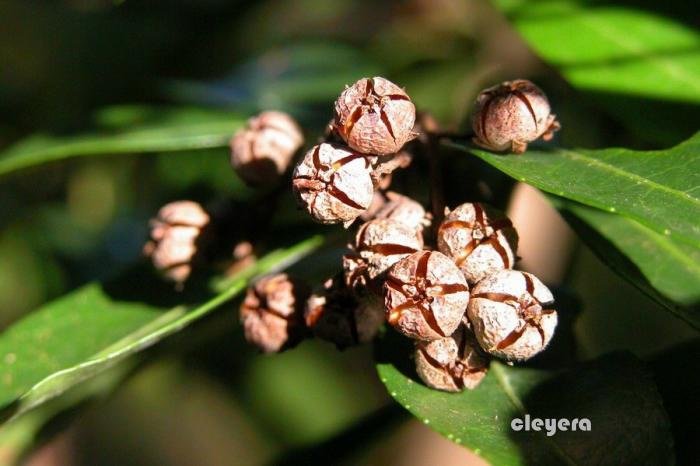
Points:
x=272, y=313
x=176, y=236
x=342, y=317
x=334, y=183
x=511, y=314
x=425, y=295
x=453, y=363
x=480, y=239
x=378, y=245
x=263, y=149
x=512, y=114
x=375, y=116
x=404, y=210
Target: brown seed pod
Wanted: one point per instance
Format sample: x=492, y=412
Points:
x=452, y=363
x=512, y=114
x=176, y=236
x=425, y=296
x=511, y=314
x=263, y=149
x=375, y=116
x=342, y=317
x=479, y=238
x=378, y=245
x=333, y=183
x=404, y=210
x=272, y=313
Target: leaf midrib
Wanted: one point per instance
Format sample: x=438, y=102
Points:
x=630, y=175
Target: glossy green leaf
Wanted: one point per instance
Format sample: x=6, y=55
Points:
x=175, y=131
x=609, y=48
x=91, y=329
x=668, y=271
x=612, y=392
x=659, y=189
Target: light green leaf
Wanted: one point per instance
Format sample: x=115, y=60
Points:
x=611, y=392
x=89, y=330
x=612, y=48
x=659, y=189
x=176, y=131
x=668, y=271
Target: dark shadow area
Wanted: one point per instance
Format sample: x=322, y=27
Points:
x=628, y=424
x=663, y=123
x=676, y=375
x=679, y=10
x=561, y=351
x=397, y=350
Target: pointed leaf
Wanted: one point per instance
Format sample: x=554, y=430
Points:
x=176, y=131
x=612, y=48
x=91, y=329
x=666, y=270
x=659, y=189
x=611, y=392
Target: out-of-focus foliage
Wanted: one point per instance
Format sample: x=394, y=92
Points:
x=107, y=322
x=86, y=82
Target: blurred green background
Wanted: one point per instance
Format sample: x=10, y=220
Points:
x=81, y=65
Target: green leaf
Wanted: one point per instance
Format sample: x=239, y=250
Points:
x=668, y=271
x=659, y=189
x=176, y=131
x=612, y=48
x=612, y=392
x=89, y=330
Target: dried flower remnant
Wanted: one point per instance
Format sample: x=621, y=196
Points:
x=334, y=183
x=512, y=114
x=263, y=149
x=375, y=116
x=511, y=314
x=479, y=238
x=453, y=363
x=272, y=313
x=174, y=241
x=425, y=296
x=378, y=245
x=342, y=317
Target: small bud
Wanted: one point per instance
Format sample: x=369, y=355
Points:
x=333, y=183
x=425, y=296
x=342, y=317
x=480, y=239
x=375, y=116
x=272, y=313
x=511, y=314
x=263, y=149
x=512, y=114
x=404, y=210
x=176, y=234
x=453, y=363
x=378, y=245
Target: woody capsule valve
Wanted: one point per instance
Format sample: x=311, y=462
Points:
x=512, y=114
x=425, y=296
x=375, y=116
x=333, y=183
x=511, y=314
x=263, y=149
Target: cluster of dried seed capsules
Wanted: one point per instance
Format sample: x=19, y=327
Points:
x=458, y=298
